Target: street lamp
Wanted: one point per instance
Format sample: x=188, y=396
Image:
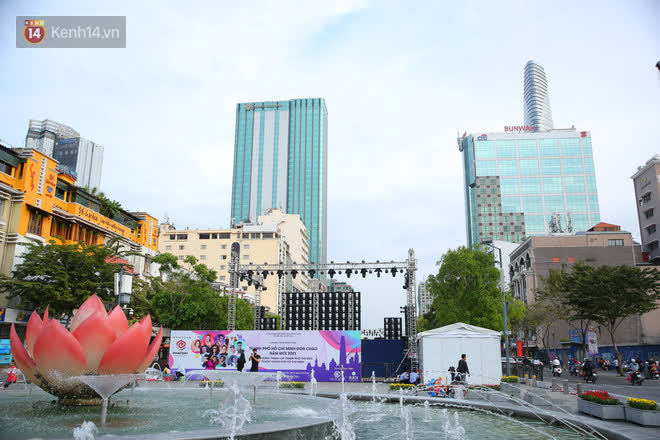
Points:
x=123, y=286
x=504, y=307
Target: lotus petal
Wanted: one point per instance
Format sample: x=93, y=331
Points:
x=46, y=315
x=22, y=358
x=117, y=321
x=148, y=326
x=91, y=305
x=95, y=336
x=34, y=327
x=125, y=355
x=58, y=354
x=151, y=351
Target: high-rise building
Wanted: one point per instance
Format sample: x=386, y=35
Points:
x=532, y=183
x=647, y=195
x=530, y=179
x=83, y=156
x=280, y=161
x=536, y=98
x=43, y=135
x=424, y=299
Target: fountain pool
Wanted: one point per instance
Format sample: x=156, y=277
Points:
x=177, y=410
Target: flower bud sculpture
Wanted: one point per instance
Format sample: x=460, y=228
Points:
x=96, y=343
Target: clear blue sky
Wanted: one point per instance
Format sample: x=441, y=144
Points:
x=399, y=79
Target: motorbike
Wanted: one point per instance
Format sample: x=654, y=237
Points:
x=591, y=377
x=635, y=378
x=575, y=370
x=654, y=373
x=556, y=371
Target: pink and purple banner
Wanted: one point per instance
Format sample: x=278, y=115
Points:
x=294, y=353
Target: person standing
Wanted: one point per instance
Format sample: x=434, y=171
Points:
x=11, y=375
x=463, y=367
x=240, y=363
x=255, y=358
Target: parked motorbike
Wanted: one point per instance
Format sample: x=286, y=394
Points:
x=556, y=371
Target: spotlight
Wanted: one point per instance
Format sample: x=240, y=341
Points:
x=364, y=273
x=294, y=273
x=264, y=274
x=312, y=272
x=331, y=273
x=348, y=272
x=393, y=271
x=280, y=274
x=249, y=282
x=378, y=271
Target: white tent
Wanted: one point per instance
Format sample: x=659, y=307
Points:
x=442, y=347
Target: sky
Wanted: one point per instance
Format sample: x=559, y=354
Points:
x=400, y=81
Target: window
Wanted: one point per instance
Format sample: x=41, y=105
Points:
x=550, y=166
x=222, y=277
x=570, y=147
x=645, y=198
x=246, y=257
x=508, y=168
x=214, y=236
x=202, y=257
x=534, y=224
x=181, y=247
x=571, y=260
x=549, y=147
x=168, y=247
x=267, y=235
x=204, y=236
x=181, y=257
x=556, y=260
x=530, y=185
x=255, y=235
x=529, y=167
x=486, y=167
x=576, y=203
x=483, y=190
x=506, y=149
x=615, y=242
x=182, y=237
x=532, y=204
x=574, y=184
x=573, y=166
x=203, y=246
x=510, y=204
x=527, y=148
x=586, y=146
x=246, y=246
x=554, y=204
x=224, y=246
x=552, y=185
x=34, y=224
x=649, y=213
x=224, y=235
x=651, y=229
x=484, y=150
x=245, y=235
x=493, y=190
x=223, y=267
x=172, y=237
x=224, y=257
x=509, y=185
x=591, y=184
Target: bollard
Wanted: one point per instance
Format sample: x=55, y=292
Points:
x=554, y=384
x=579, y=388
x=566, y=386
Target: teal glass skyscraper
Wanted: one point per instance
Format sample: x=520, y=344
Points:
x=532, y=183
x=281, y=161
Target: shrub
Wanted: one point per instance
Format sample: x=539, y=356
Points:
x=216, y=383
x=601, y=397
x=642, y=403
x=494, y=387
x=510, y=379
x=401, y=386
x=292, y=385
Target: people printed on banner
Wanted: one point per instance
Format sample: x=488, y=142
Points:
x=224, y=351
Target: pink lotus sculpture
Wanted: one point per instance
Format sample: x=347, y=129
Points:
x=97, y=343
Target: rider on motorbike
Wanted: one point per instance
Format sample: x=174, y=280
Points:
x=587, y=368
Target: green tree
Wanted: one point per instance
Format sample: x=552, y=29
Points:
x=466, y=289
x=609, y=294
x=62, y=276
x=184, y=299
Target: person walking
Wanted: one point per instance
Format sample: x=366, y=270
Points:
x=462, y=369
x=255, y=358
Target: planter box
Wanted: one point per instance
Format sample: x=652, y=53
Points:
x=604, y=412
x=646, y=417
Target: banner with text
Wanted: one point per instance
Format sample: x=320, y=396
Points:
x=294, y=353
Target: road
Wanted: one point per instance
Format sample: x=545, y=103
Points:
x=611, y=382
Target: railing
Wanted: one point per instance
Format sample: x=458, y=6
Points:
x=520, y=370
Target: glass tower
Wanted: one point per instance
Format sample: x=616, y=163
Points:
x=536, y=104
x=281, y=161
x=534, y=183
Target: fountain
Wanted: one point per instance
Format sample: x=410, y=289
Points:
x=100, y=356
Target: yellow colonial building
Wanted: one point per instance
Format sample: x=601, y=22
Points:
x=39, y=201
x=276, y=238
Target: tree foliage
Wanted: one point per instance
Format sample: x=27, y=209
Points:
x=465, y=289
x=63, y=276
x=606, y=294
x=184, y=299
